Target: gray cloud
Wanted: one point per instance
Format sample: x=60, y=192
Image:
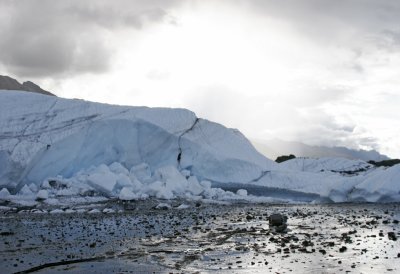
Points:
x=332, y=19
x=47, y=38
x=358, y=26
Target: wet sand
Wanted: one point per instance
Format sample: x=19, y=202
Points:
x=205, y=238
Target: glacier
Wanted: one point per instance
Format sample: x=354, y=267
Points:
x=53, y=149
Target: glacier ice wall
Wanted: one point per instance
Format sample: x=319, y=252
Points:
x=45, y=136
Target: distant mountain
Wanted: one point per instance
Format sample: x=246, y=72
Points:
x=275, y=147
x=8, y=83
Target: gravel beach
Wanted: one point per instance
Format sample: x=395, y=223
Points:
x=194, y=237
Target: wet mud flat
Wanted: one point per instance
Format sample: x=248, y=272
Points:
x=136, y=237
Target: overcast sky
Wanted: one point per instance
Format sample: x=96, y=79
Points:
x=324, y=72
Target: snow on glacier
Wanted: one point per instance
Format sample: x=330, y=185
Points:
x=325, y=164
x=53, y=148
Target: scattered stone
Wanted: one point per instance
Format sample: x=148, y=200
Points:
x=392, y=236
x=307, y=243
x=278, y=222
x=249, y=217
x=6, y=233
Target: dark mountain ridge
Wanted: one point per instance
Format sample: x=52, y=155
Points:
x=8, y=83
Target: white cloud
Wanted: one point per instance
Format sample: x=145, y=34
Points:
x=321, y=72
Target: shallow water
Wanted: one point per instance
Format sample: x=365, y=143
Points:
x=205, y=238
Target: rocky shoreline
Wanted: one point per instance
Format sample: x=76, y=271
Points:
x=193, y=237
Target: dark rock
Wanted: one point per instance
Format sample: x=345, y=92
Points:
x=286, y=250
x=307, y=243
x=392, y=236
x=249, y=217
x=278, y=222
x=331, y=244
x=281, y=228
x=277, y=219
x=6, y=233
x=57, y=184
x=284, y=158
x=343, y=249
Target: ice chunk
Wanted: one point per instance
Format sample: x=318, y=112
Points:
x=4, y=194
x=118, y=169
x=163, y=206
x=56, y=211
x=102, y=179
x=45, y=184
x=25, y=191
x=241, y=192
x=183, y=206
x=38, y=211
x=158, y=189
x=33, y=188
x=42, y=195
x=123, y=180
x=127, y=194
x=194, y=186
x=165, y=193
x=173, y=179
x=52, y=201
x=67, y=192
x=205, y=184
x=142, y=172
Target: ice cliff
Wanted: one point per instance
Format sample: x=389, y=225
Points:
x=43, y=136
